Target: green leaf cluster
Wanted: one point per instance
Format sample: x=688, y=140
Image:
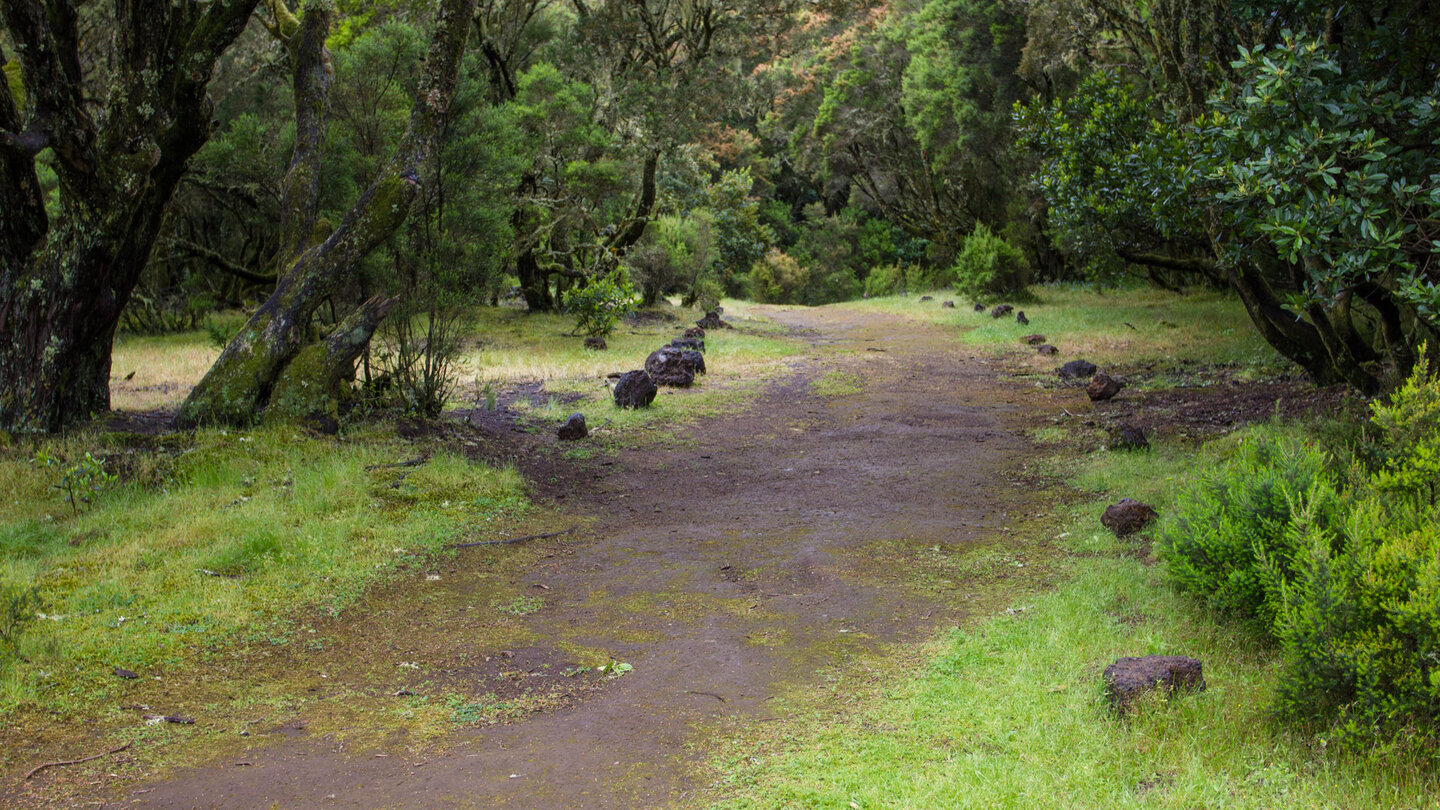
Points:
x=1340, y=563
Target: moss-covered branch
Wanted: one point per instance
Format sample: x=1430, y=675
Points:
x=313, y=76
x=239, y=386
x=313, y=385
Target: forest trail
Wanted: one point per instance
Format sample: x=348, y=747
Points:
x=813, y=527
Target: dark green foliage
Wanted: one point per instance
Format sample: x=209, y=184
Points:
x=1234, y=528
x=1344, y=571
x=1296, y=166
x=741, y=237
x=988, y=265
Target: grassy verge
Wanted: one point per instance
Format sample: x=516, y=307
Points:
x=1133, y=330
x=246, y=551
x=1009, y=711
x=227, y=538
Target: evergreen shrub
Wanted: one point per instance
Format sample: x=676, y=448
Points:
x=1341, y=568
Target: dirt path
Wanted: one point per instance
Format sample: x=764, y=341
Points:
x=819, y=524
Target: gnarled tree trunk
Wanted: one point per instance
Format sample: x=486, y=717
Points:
x=239, y=386
x=64, y=280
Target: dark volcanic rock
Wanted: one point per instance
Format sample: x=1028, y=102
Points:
x=574, y=428
x=712, y=321
x=596, y=343
x=666, y=366
x=1077, y=370
x=979, y=307
x=1034, y=340
x=695, y=332
x=694, y=359
x=925, y=298
x=1021, y=319
x=1127, y=517
x=1001, y=311
x=121, y=672
x=947, y=304
x=689, y=343
x=635, y=389
x=1103, y=387
x=1129, y=678
x=1129, y=437
x=1048, y=350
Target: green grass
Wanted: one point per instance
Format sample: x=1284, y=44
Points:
x=1009, y=712
x=837, y=384
x=232, y=538
x=512, y=347
x=1171, y=332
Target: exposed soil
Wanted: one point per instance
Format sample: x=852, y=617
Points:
x=841, y=511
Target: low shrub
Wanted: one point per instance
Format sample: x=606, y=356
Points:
x=988, y=265
x=600, y=303
x=1234, y=528
x=890, y=279
x=778, y=279
x=1342, y=569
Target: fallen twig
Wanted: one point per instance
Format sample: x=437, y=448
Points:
x=706, y=694
x=56, y=764
x=545, y=536
x=414, y=462
x=1131, y=325
x=207, y=572
x=153, y=719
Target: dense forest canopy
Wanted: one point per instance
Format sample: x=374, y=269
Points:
x=341, y=167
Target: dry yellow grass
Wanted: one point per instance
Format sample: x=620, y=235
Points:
x=164, y=368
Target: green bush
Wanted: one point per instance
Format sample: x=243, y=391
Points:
x=778, y=279
x=890, y=279
x=600, y=304
x=1344, y=571
x=1234, y=528
x=988, y=265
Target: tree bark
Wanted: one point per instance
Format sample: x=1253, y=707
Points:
x=635, y=228
x=239, y=385
x=315, y=383
x=64, y=282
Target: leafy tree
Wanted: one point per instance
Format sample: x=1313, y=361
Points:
x=273, y=360
x=119, y=141
x=1297, y=168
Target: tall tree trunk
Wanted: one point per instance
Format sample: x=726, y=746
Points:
x=238, y=386
x=63, y=283
x=534, y=281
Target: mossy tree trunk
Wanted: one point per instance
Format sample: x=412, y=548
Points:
x=66, y=274
x=240, y=385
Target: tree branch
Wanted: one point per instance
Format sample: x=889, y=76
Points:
x=46, y=38
x=300, y=200
x=24, y=222
x=221, y=262
x=1184, y=265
